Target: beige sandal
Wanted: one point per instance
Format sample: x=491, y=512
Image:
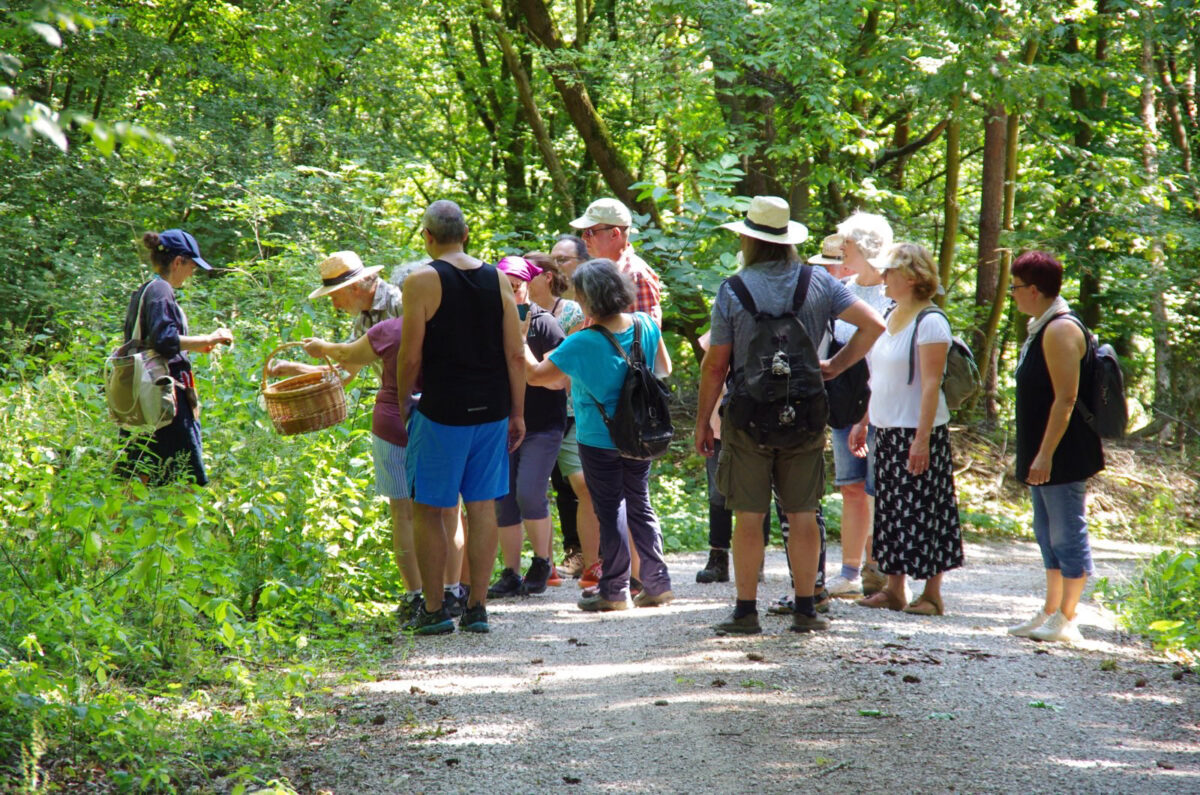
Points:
x=925, y=606
x=881, y=599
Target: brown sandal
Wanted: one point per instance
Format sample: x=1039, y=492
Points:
x=881, y=599
x=925, y=605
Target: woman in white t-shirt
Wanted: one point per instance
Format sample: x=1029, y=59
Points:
x=916, y=529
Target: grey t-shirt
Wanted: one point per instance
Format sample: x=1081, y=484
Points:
x=773, y=284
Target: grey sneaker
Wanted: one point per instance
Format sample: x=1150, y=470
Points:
x=841, y=587
x=803, y=623
x=509, y=584
x=1024, y=629
x=645, y=599
x=593, y=602
x=746, y=625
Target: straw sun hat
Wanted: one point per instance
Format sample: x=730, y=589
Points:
x=339, y=270
x=769, y=219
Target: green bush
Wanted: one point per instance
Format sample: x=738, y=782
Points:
x=1163, y=602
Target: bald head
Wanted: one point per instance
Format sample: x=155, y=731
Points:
x=445, y=223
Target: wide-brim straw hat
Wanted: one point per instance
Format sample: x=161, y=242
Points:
x=339, y=270
x=831, y=251
x=769, y=219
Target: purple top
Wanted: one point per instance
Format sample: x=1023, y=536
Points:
x=384, y=338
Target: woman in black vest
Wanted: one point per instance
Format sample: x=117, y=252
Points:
x=1056, y=451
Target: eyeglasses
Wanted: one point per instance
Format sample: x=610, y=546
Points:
x=565, y=260
x=591, y=231
x=1012, y=288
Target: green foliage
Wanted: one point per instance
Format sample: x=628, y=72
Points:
x=1163, y=602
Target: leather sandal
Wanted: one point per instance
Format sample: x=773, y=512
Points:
x=881, y=599
x=925, y=605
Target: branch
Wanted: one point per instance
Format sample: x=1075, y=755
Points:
x=891, y=154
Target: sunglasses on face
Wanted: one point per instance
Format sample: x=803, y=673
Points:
x=592, y=231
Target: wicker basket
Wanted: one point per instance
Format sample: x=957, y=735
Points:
x=304, y=403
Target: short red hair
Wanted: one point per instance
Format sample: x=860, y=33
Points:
x=1041, y=270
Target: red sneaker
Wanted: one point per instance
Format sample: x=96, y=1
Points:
x=591, y=575
x=554, y=580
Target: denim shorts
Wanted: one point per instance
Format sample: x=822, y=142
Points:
x=849, y=468
x=391, y=475
x=449, y=460
x=1060, y=526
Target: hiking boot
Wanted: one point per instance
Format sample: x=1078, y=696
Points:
x=426, y=623
x=474, y=619
x=803, y=623
x=873, y=580
x=591, y=576
x=454, y=606
x=509, y=584
x=536, y=576
x=822, y=600
x=645, y=599
x=784, y=606
x=840, y=587
x=635, y=586
x=592, y=602
x=717, y=568
x=409, y=604
x=555, y=579
x=746, y=625
x=572, y=563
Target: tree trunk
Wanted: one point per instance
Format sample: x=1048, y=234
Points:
x=572, y=88
x=950, y=208
x=987, y=278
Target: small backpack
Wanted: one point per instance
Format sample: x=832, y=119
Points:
x=1101, y=399
x=849, y=394
x=780, y=399
x=138, y=386
x=640, y=426
x=961, y=379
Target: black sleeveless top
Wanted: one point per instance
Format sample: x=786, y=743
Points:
x=1079, y=454
x=464, y=375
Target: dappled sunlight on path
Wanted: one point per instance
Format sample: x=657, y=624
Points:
x=652, y=700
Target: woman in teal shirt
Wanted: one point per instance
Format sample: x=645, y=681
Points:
x=596, y=372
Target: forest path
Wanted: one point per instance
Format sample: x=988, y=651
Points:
x=558, y=700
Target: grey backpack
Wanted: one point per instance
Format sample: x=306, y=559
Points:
x=961, y=379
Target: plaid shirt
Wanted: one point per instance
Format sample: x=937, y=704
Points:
x=385, y=306
x=646, y=285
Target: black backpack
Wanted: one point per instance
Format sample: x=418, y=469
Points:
x=849, y=393
x=1101, y=399
x=780, y=399
x=640, y=426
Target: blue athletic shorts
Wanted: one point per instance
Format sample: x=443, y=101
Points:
x=391, y=477
x=449, y=460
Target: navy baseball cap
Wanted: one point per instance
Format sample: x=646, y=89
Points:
x=180, y=243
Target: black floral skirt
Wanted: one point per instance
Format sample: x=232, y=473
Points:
x=917, y=532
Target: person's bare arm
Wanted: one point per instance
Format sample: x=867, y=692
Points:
x=206, y=342
x=544, y=373
x=352, y=356
x=514, y=354
x=662, y=361
x=1063, y=344
x=422, y=294
x=868, y=326
x=713, y=370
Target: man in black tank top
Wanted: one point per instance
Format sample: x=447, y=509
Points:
x=463, y=339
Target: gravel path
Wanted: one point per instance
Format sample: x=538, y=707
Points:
x=651, y=700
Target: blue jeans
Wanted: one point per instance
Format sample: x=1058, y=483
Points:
x=1060, y=526
x=849, y=468
x=611, y=479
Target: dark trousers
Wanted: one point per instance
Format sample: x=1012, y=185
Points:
x=611, y=479
x=568, y=506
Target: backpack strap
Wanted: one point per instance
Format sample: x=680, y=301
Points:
x=636, y=354
x=137, y=322
x=912, y=348
x=802, y=282
x=1089, y=341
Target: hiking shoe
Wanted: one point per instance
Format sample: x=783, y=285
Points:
x=635, y=586
x=839, y=586
x=474, y=619
x=454, y=606
x=536, y=576
x=1057, y=629
x=591, y=576
x=873, y=580
x=783, y=606
x=645, y=599
x=592, y=602
x=555, y=579
x=1024, y=629
x=572, y=563
x=509, y=584
x=426, y=623
x=717, y=568
x=409, y=604
x=746, y=625
x=822, y=600
x=803, y=623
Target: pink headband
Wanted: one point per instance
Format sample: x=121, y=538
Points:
x=519, y=267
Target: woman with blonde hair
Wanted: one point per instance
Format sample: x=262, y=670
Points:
x=916, y=529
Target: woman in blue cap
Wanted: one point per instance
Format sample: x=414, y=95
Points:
x=158, y=321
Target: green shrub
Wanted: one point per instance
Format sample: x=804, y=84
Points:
x=1163, y=602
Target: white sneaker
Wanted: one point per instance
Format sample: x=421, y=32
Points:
x=1022, y=630
x=840, y=586
x=1057, y=629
